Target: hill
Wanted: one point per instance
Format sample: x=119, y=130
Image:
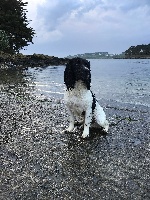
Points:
x=139, y=51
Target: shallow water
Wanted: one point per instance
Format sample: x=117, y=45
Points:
x=126, y=81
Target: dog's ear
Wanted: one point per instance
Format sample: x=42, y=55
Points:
x=87, y=78
x=82, y=71
x=87, y=71
x=87, y=64
x=69, y=77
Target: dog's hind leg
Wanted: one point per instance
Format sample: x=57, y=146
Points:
x=72, y=121
x=100, y=117
x=87, y=122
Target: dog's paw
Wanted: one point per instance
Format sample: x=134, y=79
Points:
x=64, y=131
x=85, y=134
x=106, y=127
x=70, y=129
x=67, y=130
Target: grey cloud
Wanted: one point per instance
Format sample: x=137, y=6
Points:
x=52, y=16
x=134, y=4
x=114, y=31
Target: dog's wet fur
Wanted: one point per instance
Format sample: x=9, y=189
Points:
x=79, y=98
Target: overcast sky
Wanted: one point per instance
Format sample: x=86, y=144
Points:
x=69, y=27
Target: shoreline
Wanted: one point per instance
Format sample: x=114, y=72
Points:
x=41, y=162
x=21, y=61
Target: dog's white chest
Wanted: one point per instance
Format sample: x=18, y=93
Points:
x=78, y=99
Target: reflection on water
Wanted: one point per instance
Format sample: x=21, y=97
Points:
x=48, y=82
x=16, y=82
x=120, y=80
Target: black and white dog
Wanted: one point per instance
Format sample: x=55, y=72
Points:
x=79, y=98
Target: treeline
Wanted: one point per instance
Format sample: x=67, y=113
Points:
x=139, y=51
x=15, y=32
x=21, y=61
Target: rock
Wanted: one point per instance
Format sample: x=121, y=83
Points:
x=25, y=61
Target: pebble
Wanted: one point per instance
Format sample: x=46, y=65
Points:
x=40, y=161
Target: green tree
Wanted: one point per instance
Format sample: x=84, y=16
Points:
x=4, y=41
x=142, y=50
x=13, y=21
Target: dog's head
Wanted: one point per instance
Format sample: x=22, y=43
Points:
x=77, y=69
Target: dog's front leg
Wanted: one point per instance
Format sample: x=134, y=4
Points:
x=87, y=122
x=71, y=125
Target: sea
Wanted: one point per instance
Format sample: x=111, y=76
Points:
x=120, y=80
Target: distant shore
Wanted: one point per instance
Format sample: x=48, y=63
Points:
x=106, y=55
x=40, y=60
x=24, y=61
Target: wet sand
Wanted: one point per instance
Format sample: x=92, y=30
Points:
x=39, y=162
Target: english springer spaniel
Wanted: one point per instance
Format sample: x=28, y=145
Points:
x=79, y=98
